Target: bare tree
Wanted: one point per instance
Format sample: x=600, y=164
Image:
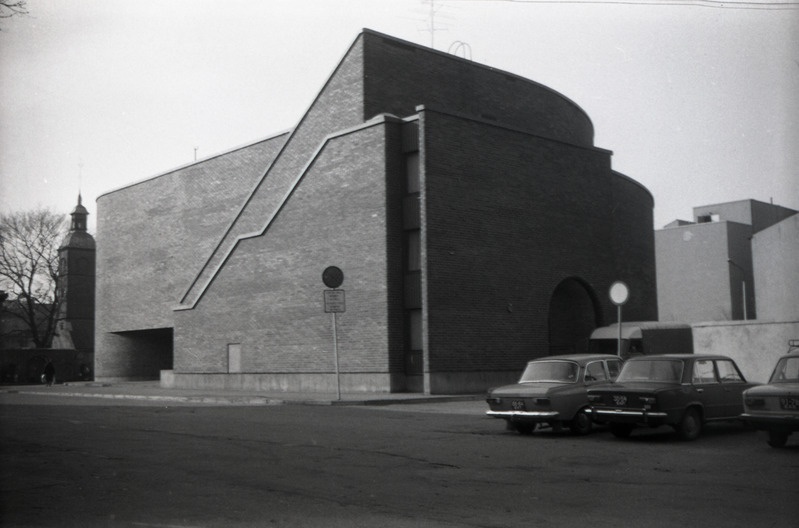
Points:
x=29, y=269
x=9, y=8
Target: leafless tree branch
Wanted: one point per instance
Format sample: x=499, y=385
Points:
x=29, y=268
x=9, y=8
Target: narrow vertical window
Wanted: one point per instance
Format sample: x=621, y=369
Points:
x=412, y=173
x=414, y=250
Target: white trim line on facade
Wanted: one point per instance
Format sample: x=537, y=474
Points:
x=377, y=120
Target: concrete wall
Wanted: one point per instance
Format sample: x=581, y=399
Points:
x=755, y=346
x=775, y=256
x=695, y=281
x=759, y=215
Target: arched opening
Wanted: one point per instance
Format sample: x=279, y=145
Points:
x=573, y=315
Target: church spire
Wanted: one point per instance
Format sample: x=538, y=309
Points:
x=79, y=215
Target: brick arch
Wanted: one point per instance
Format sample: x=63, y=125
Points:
x=574, y=312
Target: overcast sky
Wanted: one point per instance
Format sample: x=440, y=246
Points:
x=699, y=101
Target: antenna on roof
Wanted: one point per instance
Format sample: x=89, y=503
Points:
x=432, y=27
x=463, y=47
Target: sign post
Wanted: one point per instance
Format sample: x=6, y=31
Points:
x=335, y=303
x=619, y=293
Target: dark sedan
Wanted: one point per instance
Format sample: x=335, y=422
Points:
x=774, y=407
x=684, y=391
x=552, y=390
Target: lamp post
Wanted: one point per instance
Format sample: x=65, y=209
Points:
x=743, y=285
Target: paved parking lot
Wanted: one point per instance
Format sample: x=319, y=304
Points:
x=440, y=464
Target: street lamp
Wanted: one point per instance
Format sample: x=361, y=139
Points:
x=743, y=284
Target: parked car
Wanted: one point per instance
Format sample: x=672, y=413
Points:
x=552, y=390
x=682, y=390
x=774, y=407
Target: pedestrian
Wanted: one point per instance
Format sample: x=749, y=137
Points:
x=49, y=373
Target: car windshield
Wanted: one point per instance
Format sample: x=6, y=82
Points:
x=557, y=371
x=661, y=370
x=786, y=371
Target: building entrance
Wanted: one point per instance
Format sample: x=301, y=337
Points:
x=573, y=315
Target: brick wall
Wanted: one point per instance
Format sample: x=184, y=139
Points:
x=507, y=217
x=151, y=237
x=345, y=211
x=400, y=76
x=337, y=106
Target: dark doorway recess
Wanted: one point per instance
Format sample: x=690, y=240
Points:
x=573, y=315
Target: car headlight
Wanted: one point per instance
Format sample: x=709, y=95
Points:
x=594, y=398
x=542, y=401
x=754, y=402
x=649, y=400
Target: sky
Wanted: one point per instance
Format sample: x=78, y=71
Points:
x=697, y=100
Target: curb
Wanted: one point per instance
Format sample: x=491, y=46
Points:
x=246, y=400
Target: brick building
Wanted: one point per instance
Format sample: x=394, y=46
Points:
x=476, y=224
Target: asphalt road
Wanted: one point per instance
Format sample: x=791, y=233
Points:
x=81, y=463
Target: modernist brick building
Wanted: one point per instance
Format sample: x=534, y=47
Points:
x=476, y=224
x=734, y=261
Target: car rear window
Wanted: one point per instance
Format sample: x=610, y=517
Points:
x=551, y=371
x=786, y=371
x=661, y=370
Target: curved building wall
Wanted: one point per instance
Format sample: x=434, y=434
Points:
x=400, y=76
x=507, y=217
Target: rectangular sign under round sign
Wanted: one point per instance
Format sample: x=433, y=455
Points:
x=334, y=301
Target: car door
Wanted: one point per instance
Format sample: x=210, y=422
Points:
x=707, y=389
x=733, y=385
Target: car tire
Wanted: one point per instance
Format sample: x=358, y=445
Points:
x=581, y=423
x=690, y=426
x=777, y=438
x=621, y=430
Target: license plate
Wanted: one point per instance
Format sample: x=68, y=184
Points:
x=788, y=403
x=517, y=405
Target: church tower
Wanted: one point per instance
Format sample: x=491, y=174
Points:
x=76, y=275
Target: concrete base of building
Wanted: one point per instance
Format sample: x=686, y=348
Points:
x=287, y=382
x=438, y=382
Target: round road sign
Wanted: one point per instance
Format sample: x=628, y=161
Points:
x=619, y=293
x=333, y=277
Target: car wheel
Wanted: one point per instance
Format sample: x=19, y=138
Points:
x=777, y=438
x=690, y=427
x=581, y=423
x=621, y=430
x=525, y=429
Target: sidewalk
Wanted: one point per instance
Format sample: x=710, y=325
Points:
x=152, y=391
